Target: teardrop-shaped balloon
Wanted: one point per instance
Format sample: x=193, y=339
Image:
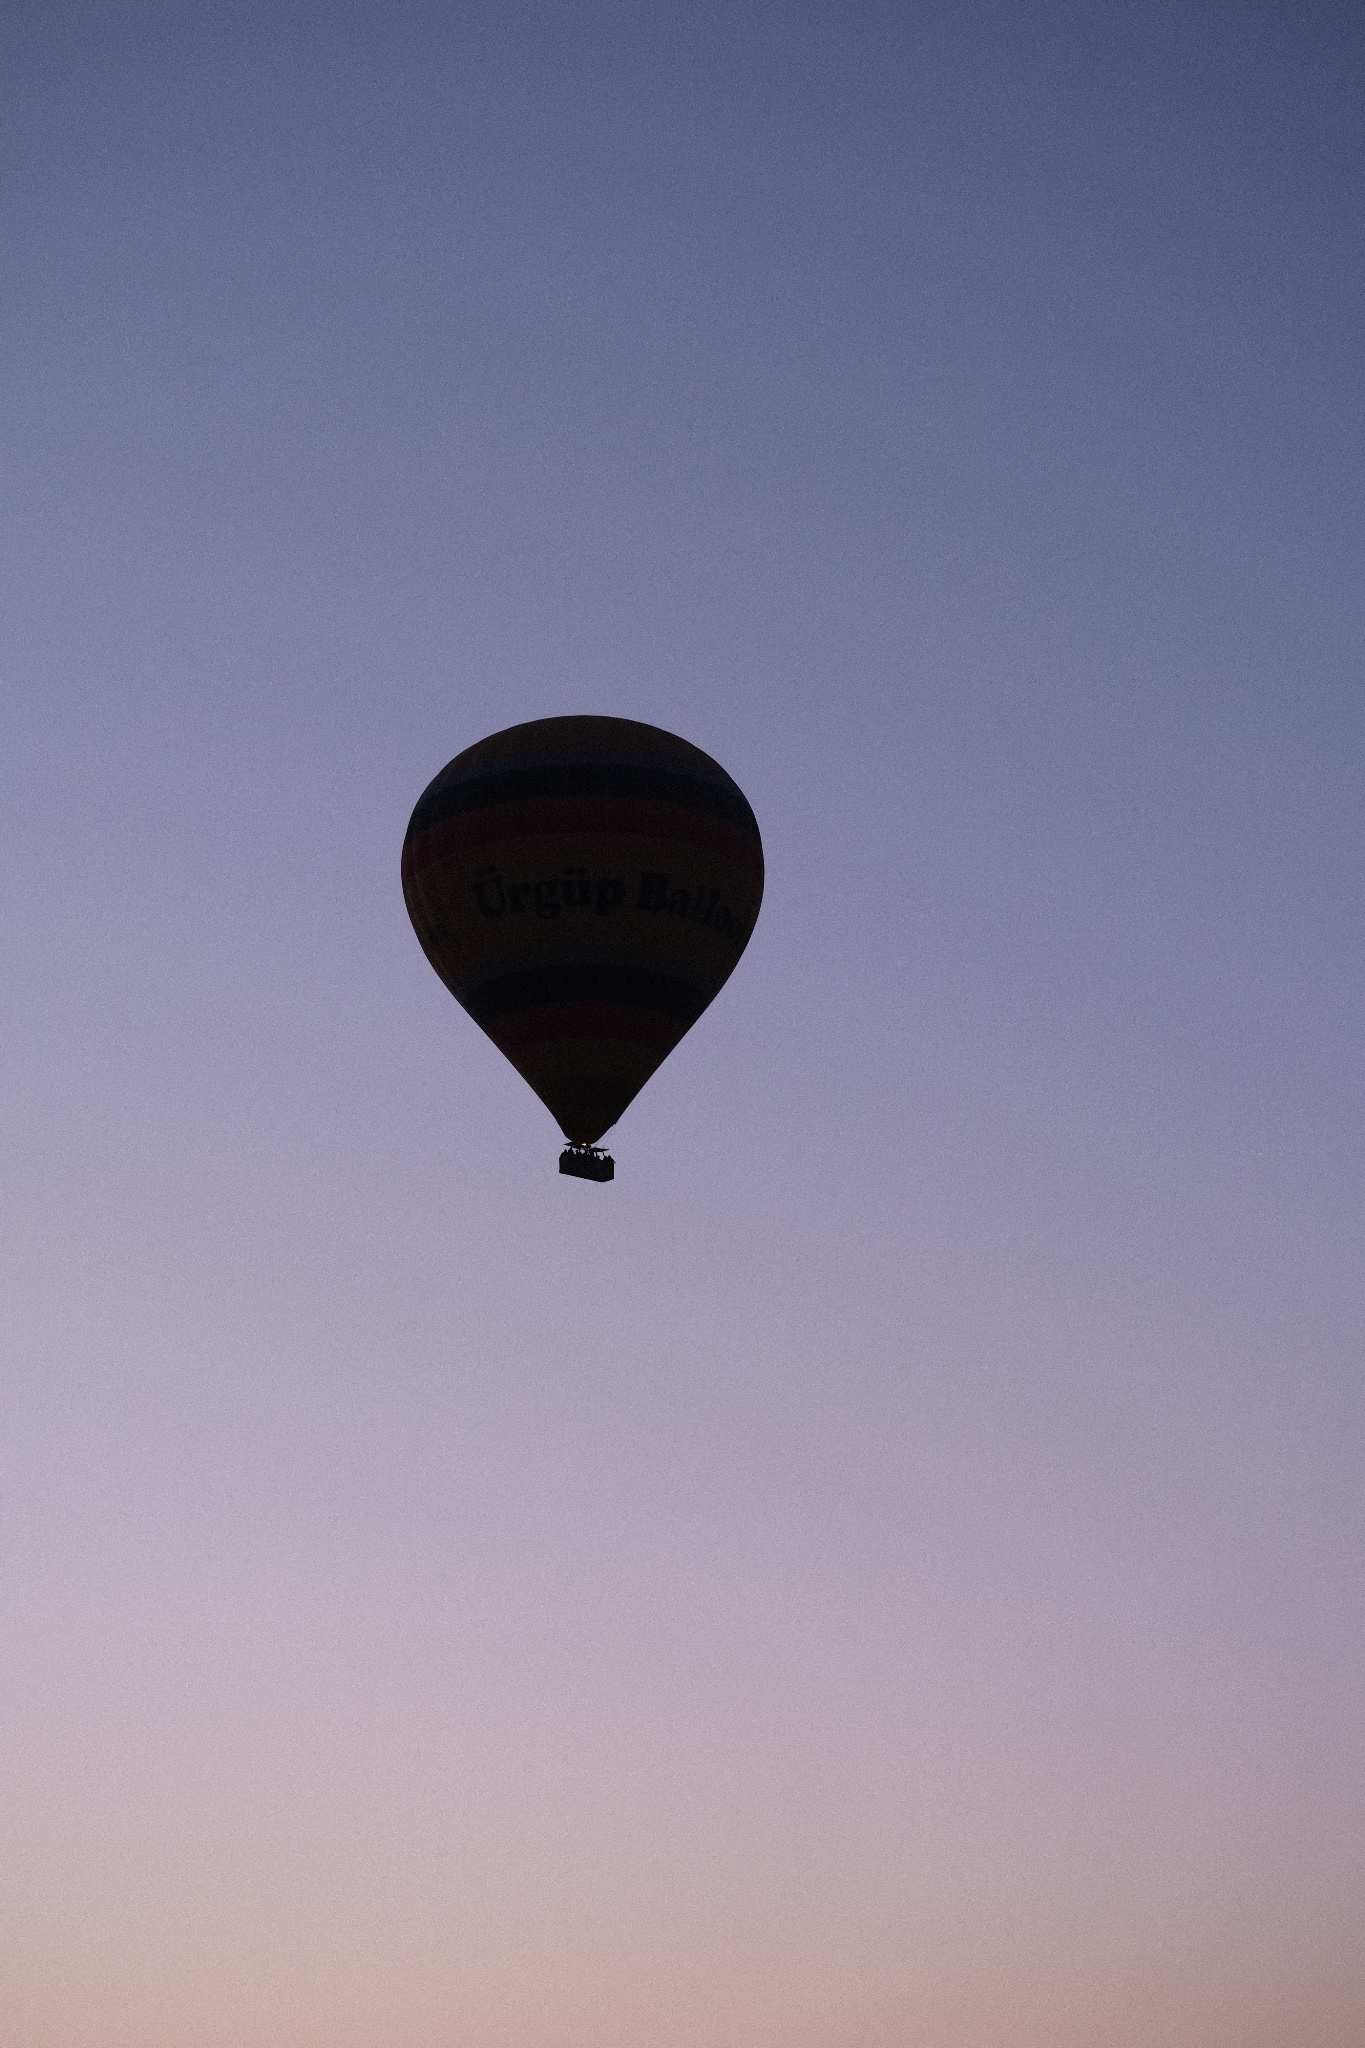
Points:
x=583, y=887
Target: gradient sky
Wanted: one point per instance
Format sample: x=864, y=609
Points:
x=886, y=1572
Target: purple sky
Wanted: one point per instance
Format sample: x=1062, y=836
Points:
x=887, y=1572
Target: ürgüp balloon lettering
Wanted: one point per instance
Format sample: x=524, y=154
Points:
x=576, y=889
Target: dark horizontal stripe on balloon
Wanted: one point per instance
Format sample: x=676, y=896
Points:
x=590, y=818
x=613, y=781
x=506, y=994
x=605, y=1024
x=605, y=958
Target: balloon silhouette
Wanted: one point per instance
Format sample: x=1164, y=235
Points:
x=583, y=887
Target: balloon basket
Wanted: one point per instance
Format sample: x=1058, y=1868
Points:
x=585, y=1162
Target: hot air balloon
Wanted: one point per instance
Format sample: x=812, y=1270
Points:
x=583, y=887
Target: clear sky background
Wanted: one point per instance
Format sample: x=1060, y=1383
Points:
x=886, y=1572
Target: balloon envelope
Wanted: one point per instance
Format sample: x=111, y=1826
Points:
x=583, y=887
